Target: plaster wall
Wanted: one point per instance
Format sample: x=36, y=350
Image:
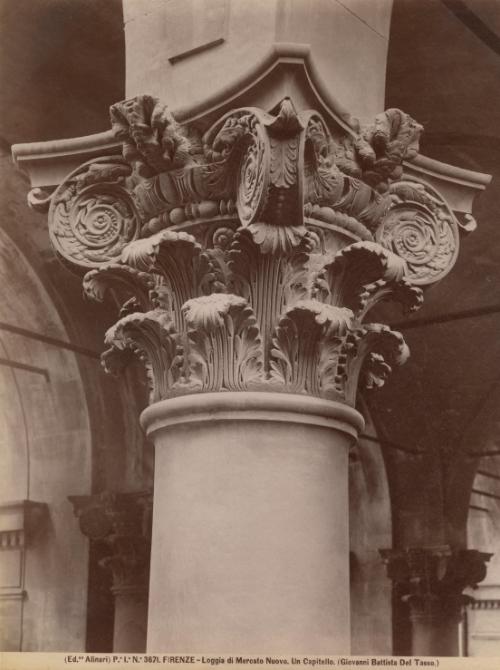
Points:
x=210, y=49
x=45, y=452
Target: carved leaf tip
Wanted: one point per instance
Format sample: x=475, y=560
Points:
x=124, y=280
x=287, y=121
x=208, y=311
x=332, y=316
x=225, y=347
x=153, y=338
x=361, y=275
x=274, y=239
x=143, y=254
x=378, y=350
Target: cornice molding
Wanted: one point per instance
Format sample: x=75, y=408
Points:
x=20, y=522
x=485, y=604
x=47, y=163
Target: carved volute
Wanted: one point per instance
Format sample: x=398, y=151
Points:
x=249, y=258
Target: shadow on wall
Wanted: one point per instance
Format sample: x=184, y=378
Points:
x=370, y=530
x=45, y=451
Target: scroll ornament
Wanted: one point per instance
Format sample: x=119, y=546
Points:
x=250, y=257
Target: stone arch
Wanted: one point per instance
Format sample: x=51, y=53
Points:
x=46, y=448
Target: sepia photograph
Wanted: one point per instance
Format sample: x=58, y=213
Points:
x=249, y=333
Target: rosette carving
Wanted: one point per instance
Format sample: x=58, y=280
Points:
x=225, y=348
x=420, y=228
x=297, y=229
x=279, y=175
x=92, y=214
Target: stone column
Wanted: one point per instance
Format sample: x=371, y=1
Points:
x=432, y=580
x=122, y=521
x=22, y=524
x=247, y=254
x=250, y=523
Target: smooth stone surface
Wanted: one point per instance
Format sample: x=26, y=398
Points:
x=131, y=613
x=348, y=43
x=250, y=550
x=45, y=447
x=435, y=636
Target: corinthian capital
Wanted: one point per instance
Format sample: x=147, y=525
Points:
x=432, y=579
x=251, y=257
x=121, y=522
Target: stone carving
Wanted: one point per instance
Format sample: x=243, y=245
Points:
x=184, y=271
x=308, y=347
x=39, y=199
x=252, y=258
x=122, y=523
x=282, y=327
x=124, y=281
x=225, y=347
x=421, y=228
x=363, y=274
x=153, y=338
x=375, y=351
x=152, y=140
x=382, y=147
x=432, y=579
x=253, y=272
x=274, y=174
x=92, y=214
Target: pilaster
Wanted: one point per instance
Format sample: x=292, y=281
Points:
x=122, y=522
x=432, y=581
x=22, y=523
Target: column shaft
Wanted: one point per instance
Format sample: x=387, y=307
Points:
x=250, y=524
x=434, y=636
x=131, y=613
